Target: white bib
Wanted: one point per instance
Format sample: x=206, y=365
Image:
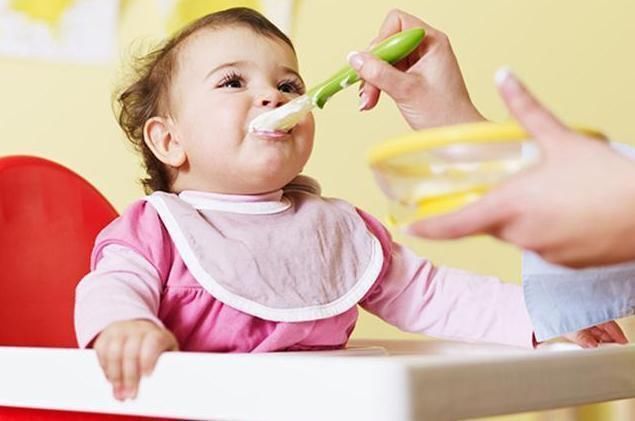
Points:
x=296, y=259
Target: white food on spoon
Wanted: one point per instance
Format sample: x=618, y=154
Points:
x=283, y=118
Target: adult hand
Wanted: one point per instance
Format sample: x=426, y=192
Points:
x=576, y=207
x=427, y=86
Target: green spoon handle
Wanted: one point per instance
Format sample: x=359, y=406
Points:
x=392, y=49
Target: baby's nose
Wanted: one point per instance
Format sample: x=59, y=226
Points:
x=272, y=99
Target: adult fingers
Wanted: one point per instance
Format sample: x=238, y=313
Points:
x=483, y=216
x=529, y=112
x=368, y=96
x=395, y=21
x=382, y=75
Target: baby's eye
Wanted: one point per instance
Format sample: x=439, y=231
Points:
x=232, y=80
x=291, y=87
x=235, y=83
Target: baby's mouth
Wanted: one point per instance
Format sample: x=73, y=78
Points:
x=271, y=134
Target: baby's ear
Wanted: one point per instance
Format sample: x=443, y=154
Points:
x=160, y=136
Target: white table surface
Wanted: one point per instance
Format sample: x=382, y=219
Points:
x=378, y=380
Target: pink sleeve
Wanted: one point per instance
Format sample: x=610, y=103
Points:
x=416, y=296
x=140, y=229
x=122, y=286
x=129, y=263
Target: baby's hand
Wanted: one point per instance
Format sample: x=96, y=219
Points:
x=129, y=349
x=609, y=332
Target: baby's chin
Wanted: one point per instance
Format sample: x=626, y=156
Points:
x=272, y=182
x=255, y=179
x=277, y=166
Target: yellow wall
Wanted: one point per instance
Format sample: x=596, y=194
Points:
x=577, y=56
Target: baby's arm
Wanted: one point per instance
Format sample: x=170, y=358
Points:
x=416, y=296
x=116, y=308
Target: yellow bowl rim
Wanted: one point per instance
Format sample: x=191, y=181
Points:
x=481, y=133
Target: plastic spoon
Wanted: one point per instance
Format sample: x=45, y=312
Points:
x=392, y=49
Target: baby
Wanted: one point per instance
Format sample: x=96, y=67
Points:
x=233, y=251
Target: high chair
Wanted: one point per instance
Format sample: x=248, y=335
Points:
x=49, y=217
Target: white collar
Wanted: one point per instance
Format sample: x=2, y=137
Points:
x=256, y=204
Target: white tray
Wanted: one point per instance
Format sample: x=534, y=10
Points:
x=379, y=380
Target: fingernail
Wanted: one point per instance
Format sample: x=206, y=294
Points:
x=363, y=100
x=355, y=60
x=503, y=74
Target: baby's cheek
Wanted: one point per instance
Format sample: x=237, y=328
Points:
x=310, y=123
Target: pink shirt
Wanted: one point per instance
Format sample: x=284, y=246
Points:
x=137, y=273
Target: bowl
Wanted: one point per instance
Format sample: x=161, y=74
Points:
x=436, y=171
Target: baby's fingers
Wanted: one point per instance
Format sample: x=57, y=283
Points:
x=130, y=366
x=100, y=350
x=154, y=343
x=584, y=338
x=112, y=360
x=612, y=332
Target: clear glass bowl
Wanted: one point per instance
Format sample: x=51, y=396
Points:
x=439, y=170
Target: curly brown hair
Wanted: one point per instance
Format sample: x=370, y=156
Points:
x=147, y=95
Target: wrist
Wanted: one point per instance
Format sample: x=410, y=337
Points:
x=470, y=114
x=457, y=114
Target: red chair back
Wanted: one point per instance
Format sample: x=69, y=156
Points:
x=49, y=218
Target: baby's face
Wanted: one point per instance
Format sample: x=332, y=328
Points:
x=224, y=78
